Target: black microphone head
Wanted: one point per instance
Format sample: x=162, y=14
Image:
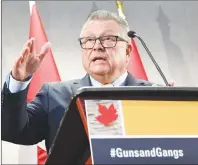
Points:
x=131, y=34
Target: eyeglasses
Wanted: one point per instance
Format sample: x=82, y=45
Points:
x=106, y=41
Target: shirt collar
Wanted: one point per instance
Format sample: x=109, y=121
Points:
x=118, y=82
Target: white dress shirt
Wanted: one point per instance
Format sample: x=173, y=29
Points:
x=118, y=82
x=16, y=86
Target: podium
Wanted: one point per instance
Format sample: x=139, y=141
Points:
x=128, y=125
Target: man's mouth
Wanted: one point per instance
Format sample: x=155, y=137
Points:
x=99, y=59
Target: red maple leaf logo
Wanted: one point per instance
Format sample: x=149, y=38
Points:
x=108, y=115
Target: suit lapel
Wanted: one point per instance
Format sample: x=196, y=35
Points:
x=84, y=82
x=130, y=80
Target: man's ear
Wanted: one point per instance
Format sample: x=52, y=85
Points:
x=128, y=49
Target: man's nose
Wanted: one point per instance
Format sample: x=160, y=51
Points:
x=98, y=45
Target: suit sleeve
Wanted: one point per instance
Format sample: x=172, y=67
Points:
x=24, y=123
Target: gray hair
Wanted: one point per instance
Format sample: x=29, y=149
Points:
x=107, y=15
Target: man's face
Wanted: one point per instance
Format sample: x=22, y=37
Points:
x=105, y=61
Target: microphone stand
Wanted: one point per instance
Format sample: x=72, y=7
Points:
x=150, y=55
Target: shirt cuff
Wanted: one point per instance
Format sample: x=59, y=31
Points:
x=15, y=86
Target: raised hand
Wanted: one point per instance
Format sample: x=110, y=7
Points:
x=28, y=61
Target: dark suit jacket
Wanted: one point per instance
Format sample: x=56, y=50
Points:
x=28, y=124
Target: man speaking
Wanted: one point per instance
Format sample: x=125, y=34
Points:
x=106, y=49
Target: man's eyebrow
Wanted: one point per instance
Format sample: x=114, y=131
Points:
x=87, y=36
x=90, y=34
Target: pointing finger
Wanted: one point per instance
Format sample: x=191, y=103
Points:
x=18, y=61
x=25, y=54
x=32, y=47
x=28, y=43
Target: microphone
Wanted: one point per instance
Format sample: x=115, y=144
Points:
x=133, y=34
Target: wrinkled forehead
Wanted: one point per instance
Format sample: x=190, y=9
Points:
x=100, y=28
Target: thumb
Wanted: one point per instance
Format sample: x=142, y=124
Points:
x=44, y=50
